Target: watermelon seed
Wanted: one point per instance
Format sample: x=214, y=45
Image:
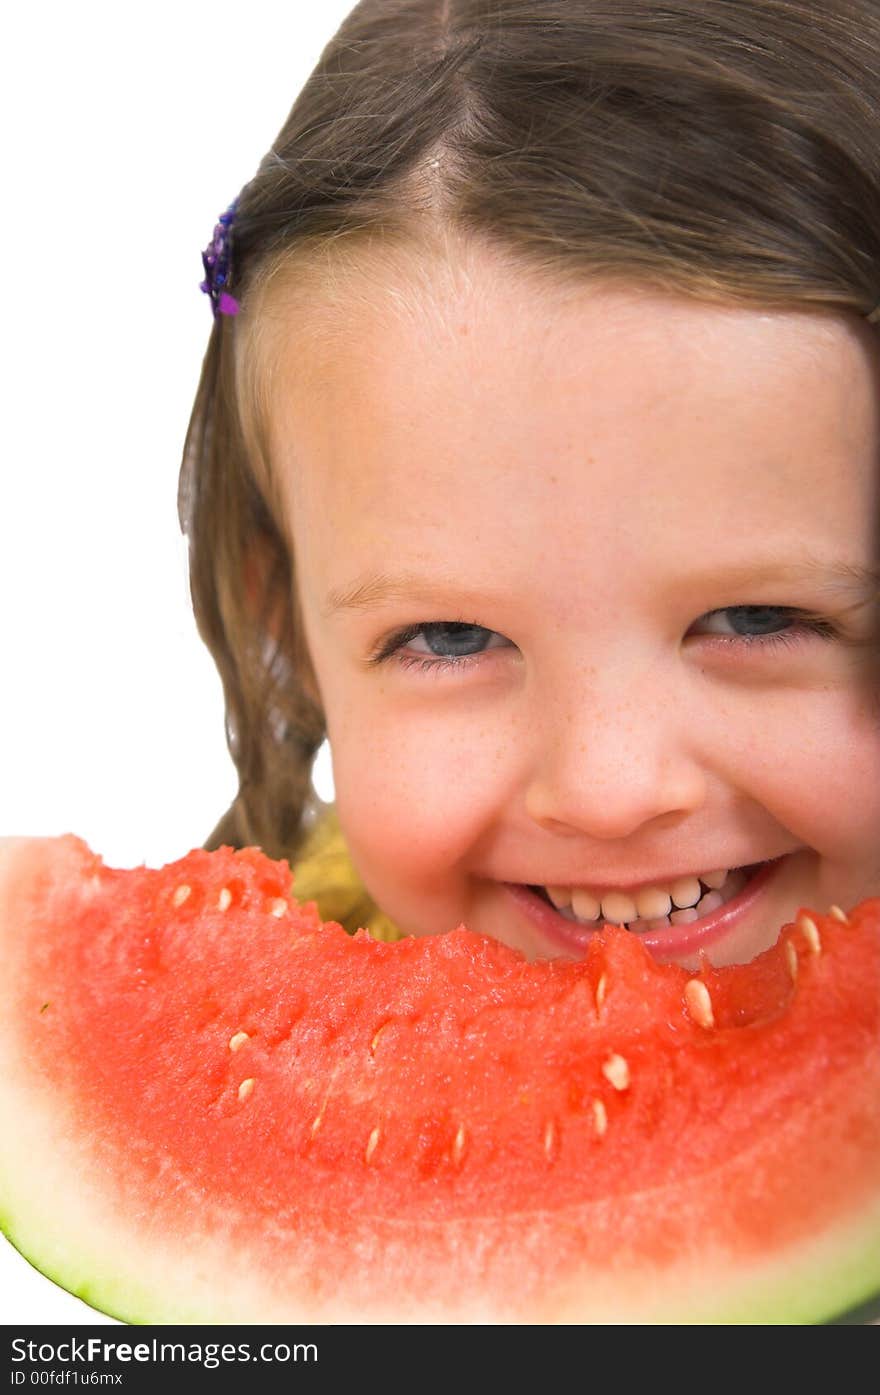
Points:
x=224, y=900
x=600, y=1114
x=810, y=931
x=550, y=1139
x=181, y=894
x=278, y=907
x=699, y=1003
x=458, y=1144
x=601, y=989
x=245, y=1088
x=319, y=1117
x=791, y=956
x=372, y=1143
x=236, y=1042
x=838, y=914
x=616, y=1071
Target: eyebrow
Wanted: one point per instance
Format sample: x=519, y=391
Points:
x=372, y=591
x=836, y=575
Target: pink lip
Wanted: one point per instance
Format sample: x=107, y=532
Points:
x=678, y=939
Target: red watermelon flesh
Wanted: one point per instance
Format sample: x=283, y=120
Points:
x=215, y=1108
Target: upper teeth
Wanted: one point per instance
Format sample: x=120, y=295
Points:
x=621, y=907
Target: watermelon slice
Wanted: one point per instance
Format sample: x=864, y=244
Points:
x=214, y=1108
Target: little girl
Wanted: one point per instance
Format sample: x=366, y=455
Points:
x=535, y=463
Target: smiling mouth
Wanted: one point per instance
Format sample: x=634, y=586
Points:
x=709, y=902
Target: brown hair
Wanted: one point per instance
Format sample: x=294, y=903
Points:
x=725, y=149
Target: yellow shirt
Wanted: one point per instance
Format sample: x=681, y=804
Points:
x=323, y=872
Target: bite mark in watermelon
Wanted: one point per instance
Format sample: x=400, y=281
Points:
x=216, y=1109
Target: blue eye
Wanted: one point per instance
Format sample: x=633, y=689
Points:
x=767, y=625
x=455, y=644
x=448, y=644
x=448, y=640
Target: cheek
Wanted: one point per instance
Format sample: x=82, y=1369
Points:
x=823, y=781
x=416, y=794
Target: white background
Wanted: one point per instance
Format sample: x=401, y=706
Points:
x=128, y=128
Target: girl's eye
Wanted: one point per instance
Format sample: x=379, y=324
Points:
x=763, y=626
x=439, y=644
x=448, y=644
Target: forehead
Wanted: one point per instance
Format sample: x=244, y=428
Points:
x=411, y=387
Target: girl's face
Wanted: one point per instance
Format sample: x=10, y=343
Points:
x=581, y=573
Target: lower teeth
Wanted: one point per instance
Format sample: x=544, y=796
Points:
x=709, y=901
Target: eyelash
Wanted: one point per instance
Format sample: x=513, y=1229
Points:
x=805, y=624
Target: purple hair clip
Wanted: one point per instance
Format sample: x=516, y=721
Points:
x=215, y=260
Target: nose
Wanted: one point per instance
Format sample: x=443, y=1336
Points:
x=611, y=761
